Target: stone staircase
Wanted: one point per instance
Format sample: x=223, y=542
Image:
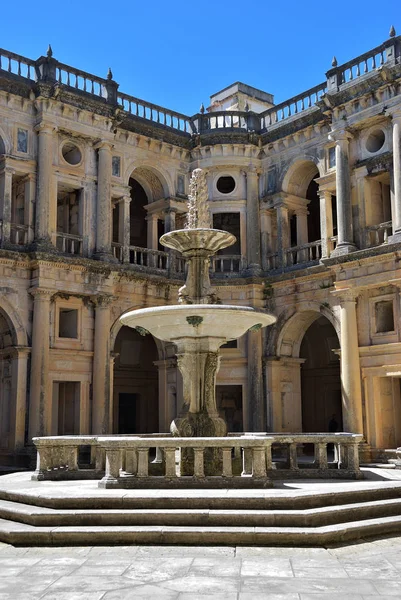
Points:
x=76, y=516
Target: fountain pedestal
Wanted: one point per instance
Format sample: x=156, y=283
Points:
x=198, y=325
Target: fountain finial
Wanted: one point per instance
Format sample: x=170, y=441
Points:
x=198, y=215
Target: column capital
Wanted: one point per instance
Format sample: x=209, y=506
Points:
x=103, y=145
x=346, y=295
x=394, y=113
x=340, y=135
x=41, y=293
x=102, y=300
x=324, y=193
x=251, y=170
x=44, y=127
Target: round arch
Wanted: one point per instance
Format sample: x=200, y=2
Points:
x=291, y=334
x=298, y=175
x=11, y=316
x=156, y=183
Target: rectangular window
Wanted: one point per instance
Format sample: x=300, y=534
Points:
x=384, y=314
x=68, y=323
x=332, y=157
x=22, y=140
x=116, y=166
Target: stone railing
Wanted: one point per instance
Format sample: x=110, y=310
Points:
x=387, y=53
x=379, y=234
x=306, y=253
x=68, y=243
x=293, y=106
x=49, y=70
x=244, y=460
x=227, y=264
x=17, y=65
x=270, y=262
x=156, y=114
x=233, y=120
x=19, y=234
x=82, y=81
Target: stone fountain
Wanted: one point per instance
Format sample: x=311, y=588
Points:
x=199, y=324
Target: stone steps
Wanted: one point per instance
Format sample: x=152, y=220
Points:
x=315, y=517
x=15, y=533
x=280, y=517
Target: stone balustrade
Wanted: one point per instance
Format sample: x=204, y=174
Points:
x=305, y=253
x=227, y=264
x=292, y=106
x=106, y=90
x=379, y=234
x=157, y=114
x=247, y=460
x=68, y=243
x=20, y=234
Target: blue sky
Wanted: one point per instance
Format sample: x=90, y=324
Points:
x=177, y=53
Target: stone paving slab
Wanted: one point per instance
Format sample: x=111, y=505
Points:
x=361, y=571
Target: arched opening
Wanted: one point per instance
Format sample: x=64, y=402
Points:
x=2, y=147
x=303, y=202
x=137, y=212
x=313, y=210
x=8, y=376
x=320, y=378
x=135, y=384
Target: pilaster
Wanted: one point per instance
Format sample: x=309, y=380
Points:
x=101, y=366
x=396, y=172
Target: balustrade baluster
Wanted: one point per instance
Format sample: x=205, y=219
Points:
x=72, y=246
x=9, y=65
x=258, y=462
x=28, y=73
x=302, y=104
x=19, y=67
x=84, y=78
x=93, y=87
x=381, y=59
x=68, y=78
x=321, y=455
x=309, y=101
x=358, y=71
x=351, y=75
x=289, y=110
x=169, y=454
x=227, y=463
x=143, y=462
x=296, y=108
x=292, y=456
x=199, y=470
x=373, y=62
x=385, y=236
x=76, y=81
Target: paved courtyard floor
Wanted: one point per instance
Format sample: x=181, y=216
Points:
x=360, y=571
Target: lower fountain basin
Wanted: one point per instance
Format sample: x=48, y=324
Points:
x=219, y=321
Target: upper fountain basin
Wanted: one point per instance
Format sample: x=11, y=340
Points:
x=209, y=240
x=219, y=321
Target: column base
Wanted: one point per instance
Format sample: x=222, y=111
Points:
x=43, y=245
x=105, y=257
x=253, y=270
x=198, y=425
x=342, y=249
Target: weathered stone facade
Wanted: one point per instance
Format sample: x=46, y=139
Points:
x=91, y=177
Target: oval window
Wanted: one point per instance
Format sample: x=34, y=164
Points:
x=375, y=140
x=71, y=153
x=225, y=184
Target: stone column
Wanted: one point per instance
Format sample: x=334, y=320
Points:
x=326, y=222
x=302, y=234
x=40, y=401
x=350, y=364
x=253, y=221
x=101, y=366
x=396, y=121
x=103, y=208
x=256, y=406
x=124, y=226
x=153, y=240
x=283, y=233
x=345, y=241
x=29, y=193
x=265, y=238
x=19, y=392
x=169, y=219
x=44, y=183
x=6, y=183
